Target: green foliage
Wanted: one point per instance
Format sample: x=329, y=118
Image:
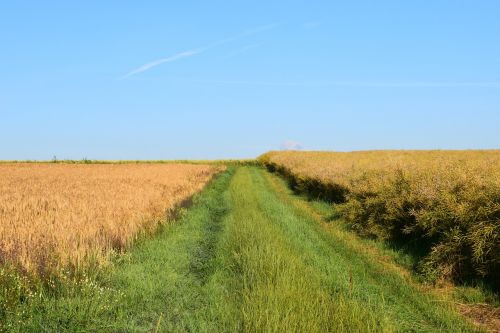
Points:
x=459, y=230
x=62, y=304
x=446, y=202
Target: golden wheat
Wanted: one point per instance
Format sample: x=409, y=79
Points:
x=59, y=215
x=346, y=167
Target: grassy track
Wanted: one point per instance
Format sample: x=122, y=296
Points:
x=250, y=257
x=292, y=275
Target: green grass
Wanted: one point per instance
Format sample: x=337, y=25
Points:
x=373, y=270
x=273, y=286
x=247, y=256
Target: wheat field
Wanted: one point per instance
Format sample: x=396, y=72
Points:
x=69, y=215
x=344, y=167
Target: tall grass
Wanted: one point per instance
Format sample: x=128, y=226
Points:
x=66, y=216
x=445, y=202
x=276, y=287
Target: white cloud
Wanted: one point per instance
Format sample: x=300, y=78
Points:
x=291, y=145
x=155, y=63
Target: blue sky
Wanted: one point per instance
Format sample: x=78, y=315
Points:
x=231, y=79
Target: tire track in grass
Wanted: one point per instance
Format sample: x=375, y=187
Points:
x=163, y=280
x=357, y=275
x=271, y=287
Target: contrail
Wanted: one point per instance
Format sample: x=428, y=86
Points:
x=190, y=53
x=155, y=63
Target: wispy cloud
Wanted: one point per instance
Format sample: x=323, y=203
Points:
x=190, y=53
x=158, y=62
x=290, y=145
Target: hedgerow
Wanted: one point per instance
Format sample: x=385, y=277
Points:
x=446, y=202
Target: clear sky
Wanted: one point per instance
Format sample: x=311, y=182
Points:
x=221, y=79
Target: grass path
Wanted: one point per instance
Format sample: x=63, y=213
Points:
x=292, y=275
x=248, y=256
